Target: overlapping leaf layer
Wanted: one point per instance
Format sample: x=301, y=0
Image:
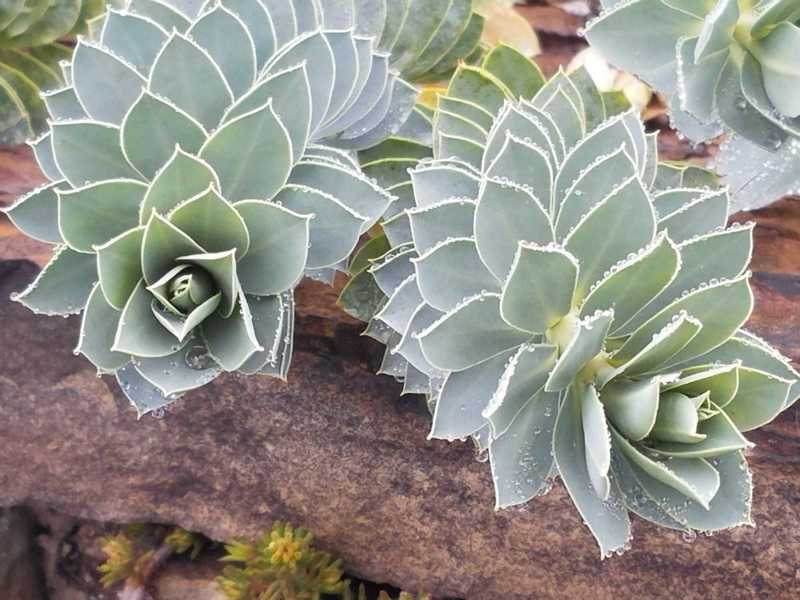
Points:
x=200, y=165
x=30, y=52
x=726, y=65
x=576, y=308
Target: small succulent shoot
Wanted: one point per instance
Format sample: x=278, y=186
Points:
x=382, y=595
x=281, y=564
x=728, y=65
x=30, y=53
x=200, y=160
x=183, y=541
x=121, y=559
x=577, y=309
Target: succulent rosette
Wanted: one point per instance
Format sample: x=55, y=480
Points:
x=30, y=51
x=577, y=309
x=727, y=66
x=200, y=165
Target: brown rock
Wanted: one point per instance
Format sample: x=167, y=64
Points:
x=21, y=574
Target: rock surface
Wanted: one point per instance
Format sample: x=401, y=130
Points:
x=21, y=576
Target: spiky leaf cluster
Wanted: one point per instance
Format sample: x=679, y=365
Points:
x=727, y=65
x=197, y=173
x=30, y=52
x=281, y=565
x=578, y=310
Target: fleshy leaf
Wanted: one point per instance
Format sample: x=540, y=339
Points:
x=470, y=334
x=607, y=520
x=151, y=130
x=63, y=286
x=278, y=247
x=92, y=215
x=539, y=288
x=252, y=155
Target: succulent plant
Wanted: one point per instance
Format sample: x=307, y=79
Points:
x=200, y=166
x=577, y=310
x=426, y=38
x=282, y=564
x=30, y=52
x=729, y=65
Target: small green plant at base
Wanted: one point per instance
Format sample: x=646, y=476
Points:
x=284, y=565
x=135, y=554
x=281, y=565
x=121, y=559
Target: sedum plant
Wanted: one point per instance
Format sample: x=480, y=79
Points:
x=577, y=310
x=200, y=165
x=30, y=52
x=282, y=564
x=727, y=66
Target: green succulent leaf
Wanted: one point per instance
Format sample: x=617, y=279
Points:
x=98, y=327
x=586, y=343
x=522, y=463
x=470, y=334
x=505, y=215
x=134, y=38
x=232, y=340
x=88, y=152
x=139, y=332
x=464, y=395
x=607, y=519
x=781, y=74
x=119, y=266
x=92, y=215
x=262, y=161
x=36, y=214
x=523, y=379
x=152, y=129
x=181, y=67
x=539, y=289
x=212, y=223
x=290, y=93
x=162, y=244
x=759, y=398
x=63, y=286
x=443, y=288
x=632, y=406
x=278, y=247
x=183, y=176
x=105, y=86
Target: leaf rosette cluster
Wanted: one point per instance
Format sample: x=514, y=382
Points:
x=30, y=52
x=727, y=65
x=200, y=165
x=577, y=309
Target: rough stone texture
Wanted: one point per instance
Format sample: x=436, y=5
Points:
x=21, y=576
